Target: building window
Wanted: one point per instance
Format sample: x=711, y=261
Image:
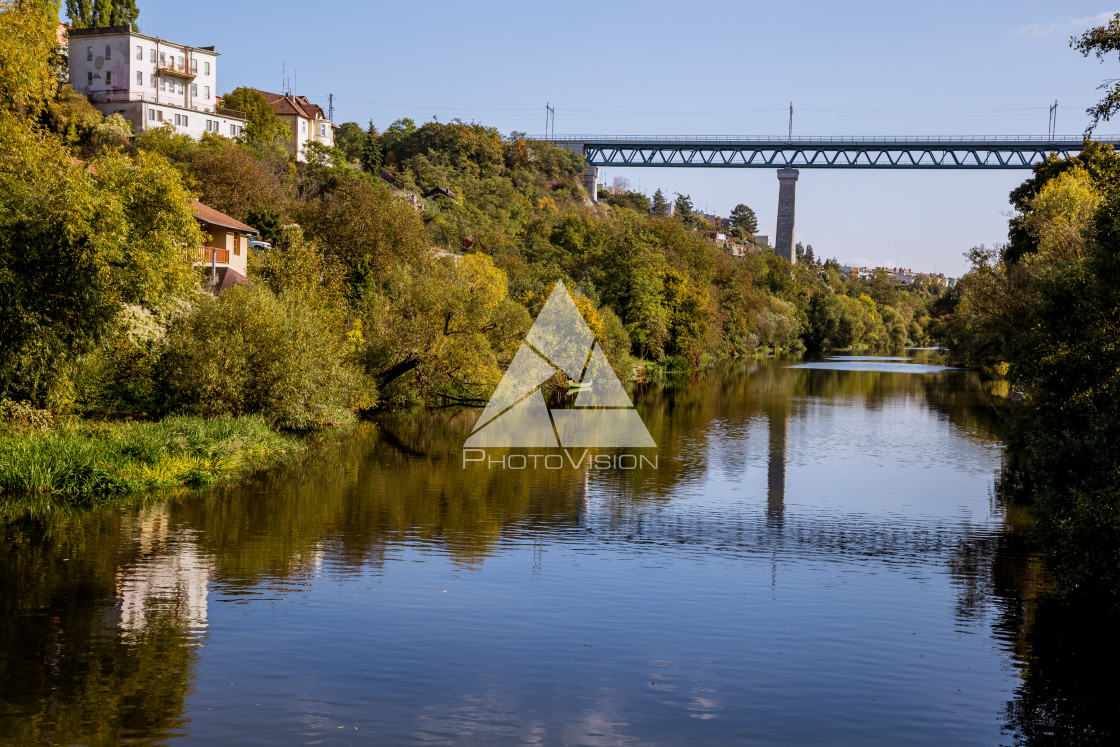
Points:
x=108, y=77
x=159, y=116
x=194, y=90
x=162, y=84
x=151, y=55
x=206, y=68
x=206, y=92
x=186, y=121
x=232, y=130
x=139, y=52
x=139, y=78
x=162, y=59
x=176, y=120
x=108, y=52
x=179, y=63
x=180, y=87
x=237, y=244
x=322, y=130
x=89, y=79
x=303, y=127
x=194, y=66
x=152, y=80
x=89, y=54
x=152, y=115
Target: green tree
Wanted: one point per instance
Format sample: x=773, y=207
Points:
x=251, y=350
x=810, y=258
x=77, y=243
x=440, y=329
x=743, y=217
x=369, y=155
x=660, y=207
x=27, y=40
x=1100, y=41
x=263, y=126
x=230, y=178
x=363, y=222
x=91, y=14
x=682, y=209
x=350, y=138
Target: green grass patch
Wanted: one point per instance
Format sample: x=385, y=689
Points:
x=89, y=462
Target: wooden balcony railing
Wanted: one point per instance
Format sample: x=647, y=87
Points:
x=206, y=254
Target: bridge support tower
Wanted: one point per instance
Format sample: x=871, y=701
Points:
x=591, y=182
x=787, y=199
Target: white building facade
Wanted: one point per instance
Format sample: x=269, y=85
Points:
x=150, y=82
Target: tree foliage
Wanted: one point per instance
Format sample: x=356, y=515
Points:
x=743, y=217
x=27, y=41
x=75, y=244
x=91, y=14
x=262, y=125
x=1101, y=41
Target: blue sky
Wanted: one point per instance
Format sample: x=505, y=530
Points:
x=700, y=68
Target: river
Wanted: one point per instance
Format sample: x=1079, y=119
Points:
x=820, y=556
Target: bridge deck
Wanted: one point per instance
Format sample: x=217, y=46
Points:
x=1009, y=152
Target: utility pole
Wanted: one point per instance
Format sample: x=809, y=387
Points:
x=549, y=115
x=330, y=107
x=791, y=121
x=1053, y=124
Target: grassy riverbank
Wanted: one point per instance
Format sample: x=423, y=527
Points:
x=88, y=462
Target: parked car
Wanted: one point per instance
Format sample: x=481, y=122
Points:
x=259, y=244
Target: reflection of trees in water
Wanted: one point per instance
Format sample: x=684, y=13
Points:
x=96, y=617
x=1065, y=649
x=356, y=499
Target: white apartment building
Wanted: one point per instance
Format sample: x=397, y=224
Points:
x=307, y=122
x=150, y=82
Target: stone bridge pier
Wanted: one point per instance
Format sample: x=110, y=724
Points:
x=787, y=199
x=591, y=182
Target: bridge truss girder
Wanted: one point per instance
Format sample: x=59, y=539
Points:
x=932, y=155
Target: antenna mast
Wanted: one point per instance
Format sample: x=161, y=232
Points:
x=549, y=116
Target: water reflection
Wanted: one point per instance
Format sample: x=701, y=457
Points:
x=801, y=540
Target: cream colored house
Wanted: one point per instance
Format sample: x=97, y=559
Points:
x=226, y=248
x=307, y=122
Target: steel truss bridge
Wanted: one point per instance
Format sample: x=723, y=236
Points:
x=823, y=152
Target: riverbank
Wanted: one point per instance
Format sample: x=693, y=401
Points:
x=89, y=462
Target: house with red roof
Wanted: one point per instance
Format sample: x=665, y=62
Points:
x=225, y=251
x=307, y=122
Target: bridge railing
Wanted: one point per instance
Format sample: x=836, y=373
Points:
x=815, y=140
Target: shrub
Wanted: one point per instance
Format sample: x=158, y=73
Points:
x=252, y=351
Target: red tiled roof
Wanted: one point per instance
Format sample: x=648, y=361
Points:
x=297, y=105
x=207, y=214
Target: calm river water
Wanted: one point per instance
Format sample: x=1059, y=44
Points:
x=820, y=557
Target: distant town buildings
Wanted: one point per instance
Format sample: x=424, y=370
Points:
x=150, y=82
x=903, y=275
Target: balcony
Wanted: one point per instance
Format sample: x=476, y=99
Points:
x=206, y=254
x=177, y=71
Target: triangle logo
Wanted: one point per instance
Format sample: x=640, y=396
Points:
x=559, y=342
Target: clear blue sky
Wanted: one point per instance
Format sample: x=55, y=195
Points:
x=712, y=68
